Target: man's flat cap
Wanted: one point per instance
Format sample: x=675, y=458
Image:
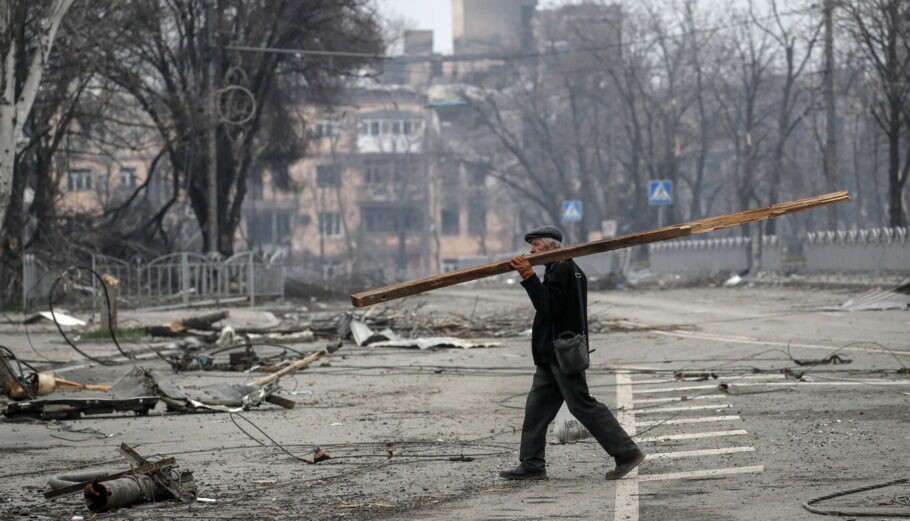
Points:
x=551, y=232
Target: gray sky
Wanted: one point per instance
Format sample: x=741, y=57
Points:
x=430, y=14
x=424, y=14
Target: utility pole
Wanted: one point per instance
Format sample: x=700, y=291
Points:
x=211, y=125
x=830, y=153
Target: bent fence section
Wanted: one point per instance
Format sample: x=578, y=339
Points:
x=177, y=278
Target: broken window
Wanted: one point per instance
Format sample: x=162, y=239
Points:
x=450, y=224
x=330, y=224
x=269, y=227
x=78, y=179
x=328, y=176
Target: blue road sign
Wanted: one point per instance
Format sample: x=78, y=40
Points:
x=571, y=211
x=660, y=192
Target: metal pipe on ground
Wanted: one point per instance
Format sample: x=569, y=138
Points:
x=100, y=496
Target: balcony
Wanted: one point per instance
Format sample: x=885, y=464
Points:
x=375, y=193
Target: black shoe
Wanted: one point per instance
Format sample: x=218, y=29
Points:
x=520, y=472
x=625, y=466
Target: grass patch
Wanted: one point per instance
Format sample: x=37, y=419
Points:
x=100, y=334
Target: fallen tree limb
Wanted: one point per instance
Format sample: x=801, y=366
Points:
x=297, y=365
x=181, y=326
x=589, y=248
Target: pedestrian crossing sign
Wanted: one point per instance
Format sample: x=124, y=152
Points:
x=571, y=211
x=660, y=192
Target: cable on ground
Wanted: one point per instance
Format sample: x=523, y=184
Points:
x=808, y=505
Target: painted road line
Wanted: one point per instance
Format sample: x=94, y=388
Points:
x=755, y=341
x=697, y=453
x=685, y=421
x=720, y=378
x=681, y=398
x=626, y=503
x=677, y=389
x=692, y=436
x=686, y=408
x=795, y=383
x=708, y=473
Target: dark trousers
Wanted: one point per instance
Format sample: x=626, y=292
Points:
x=550, y=388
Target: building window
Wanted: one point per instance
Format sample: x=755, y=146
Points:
x=478, y=178
x=396, y=127
x=477, y=217
x=269, y=227
x=389, y=219
x=327, y=129
x=78, y=179
x=330, y=224
x=374, y=128
x=450, y=218
x=128, y=177
x=374, y=172
x=328, y=176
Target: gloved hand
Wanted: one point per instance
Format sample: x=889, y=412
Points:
x=522, y=266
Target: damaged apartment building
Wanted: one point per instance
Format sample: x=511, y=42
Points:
x=389, y=189
x=374, y=199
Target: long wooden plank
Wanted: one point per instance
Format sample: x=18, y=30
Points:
x=413, y=287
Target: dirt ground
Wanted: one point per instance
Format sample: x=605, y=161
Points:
x=754, y=451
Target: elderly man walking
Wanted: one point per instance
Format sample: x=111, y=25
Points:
x=560, y=302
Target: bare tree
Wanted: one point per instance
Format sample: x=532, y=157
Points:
x=27, y=34
x=161, y=63
x=795, y=44
x=881, y=29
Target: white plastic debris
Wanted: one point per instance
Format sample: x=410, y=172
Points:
x=735, y=280
x=62, y=319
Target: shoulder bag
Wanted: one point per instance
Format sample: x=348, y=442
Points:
x=572, y=352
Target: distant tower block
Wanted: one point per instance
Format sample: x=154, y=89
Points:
x=492, y=26
x=418, y=42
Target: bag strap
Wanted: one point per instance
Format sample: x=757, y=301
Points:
x=581, y=303
x=581, y=307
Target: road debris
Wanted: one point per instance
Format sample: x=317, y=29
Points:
x=140, y=391
x=432, y=342
x=878, y=300
x=43, y=384
x=62, y=318
x=145, y=482
x=300, y=364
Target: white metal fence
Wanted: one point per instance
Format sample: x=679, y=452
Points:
x=874, y=251
x=879, y=250
x=175, y=278
x=700, y=256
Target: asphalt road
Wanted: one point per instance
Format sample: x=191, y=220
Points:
x=754, y=451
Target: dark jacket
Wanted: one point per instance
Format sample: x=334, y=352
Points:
x=557, y=304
